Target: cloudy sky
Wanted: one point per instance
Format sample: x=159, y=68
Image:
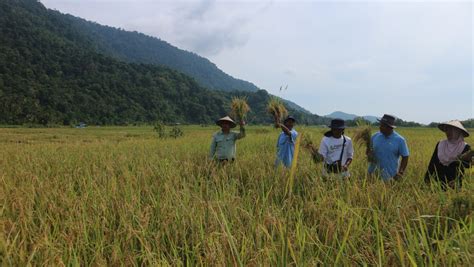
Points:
x=413, y=59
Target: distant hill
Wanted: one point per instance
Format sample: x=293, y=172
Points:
x=347, y=116
x=53, y=73
x=372, y=119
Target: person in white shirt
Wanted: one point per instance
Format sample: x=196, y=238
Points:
x=337, y=150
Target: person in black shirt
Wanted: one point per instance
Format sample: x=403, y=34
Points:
x=450, y=157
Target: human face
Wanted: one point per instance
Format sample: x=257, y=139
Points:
x=385, y=129
x=289, y=124
x=337, y=132
x=225, y=126
x=452, y=133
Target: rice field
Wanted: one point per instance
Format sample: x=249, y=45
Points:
x=122, y=196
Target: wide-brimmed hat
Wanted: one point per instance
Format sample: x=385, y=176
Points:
x=227, y=119
x=454, y=123
x=337, y=124
x=289, y=118
x=388, y=120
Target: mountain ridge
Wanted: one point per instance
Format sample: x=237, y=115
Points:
x=50, y=73
x=349, y=116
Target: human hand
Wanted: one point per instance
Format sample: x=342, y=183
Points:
x=398, y=176
x=345, y=168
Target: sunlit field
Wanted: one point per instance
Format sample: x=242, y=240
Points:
x=122, y=196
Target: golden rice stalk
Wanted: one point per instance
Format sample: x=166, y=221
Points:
x=363, y=135
x=239, y=108
x=307, y=143
x=277, y=110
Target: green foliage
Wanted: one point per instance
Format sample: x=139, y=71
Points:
x=114, y=196
x=160, y=129
x=52, y=71
x=176, y=132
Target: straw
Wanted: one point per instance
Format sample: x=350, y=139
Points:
x=277, y=110
x=239, y=108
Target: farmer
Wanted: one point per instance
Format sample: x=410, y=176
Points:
x=387, y=148
x=286, y=142
x=337, y=150
x=451, y=156
x=223, y=142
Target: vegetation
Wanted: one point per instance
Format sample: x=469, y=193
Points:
x=136, y=47
x=52, y=74
x=277, y=110
x=117, y=196
x=467, y=123
x=239, y=108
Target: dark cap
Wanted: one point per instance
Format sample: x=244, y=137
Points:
x=337, y=124
x=388, y=120
x=290, y=118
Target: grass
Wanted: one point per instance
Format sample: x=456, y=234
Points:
x=122, y=196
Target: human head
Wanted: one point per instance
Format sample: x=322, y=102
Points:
x=226, y=123
x=453, y=129
x=337, y=127
x=387, y=124
x=289, y=122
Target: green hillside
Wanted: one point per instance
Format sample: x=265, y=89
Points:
x=50, y=73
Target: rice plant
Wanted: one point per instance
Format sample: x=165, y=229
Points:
x=239, y=108
x=277, y=110
x=119, y=196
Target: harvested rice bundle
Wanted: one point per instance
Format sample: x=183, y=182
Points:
x=239, y=108
x=308, y=144
x=277, y=110
x=307, y=140
x=363, y=135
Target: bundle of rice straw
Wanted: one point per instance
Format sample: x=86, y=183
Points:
x=363, y=135
x=307, y=141
x=239, y=108
x=277, y=110
x=308, y=144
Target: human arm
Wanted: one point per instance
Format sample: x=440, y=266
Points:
x=349, y=155
x=404, y=153
x=466, y=157
x=432, y=165
x=241, y=133
x=322, y=152
x=213, y=147
x=285, y=129
x=401, y=169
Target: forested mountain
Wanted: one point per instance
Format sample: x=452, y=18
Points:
x=137, y=47
x=53, y=73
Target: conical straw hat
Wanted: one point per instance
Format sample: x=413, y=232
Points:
x=455, y=124
x=228, y=119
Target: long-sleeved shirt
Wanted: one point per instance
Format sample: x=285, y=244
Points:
x=223, y=145
x=446, y=174
x=286, y=148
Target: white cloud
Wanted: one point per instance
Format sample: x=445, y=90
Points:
x=362, y=57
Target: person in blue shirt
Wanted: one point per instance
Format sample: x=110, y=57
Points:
x=286, y=142
x=387, y=148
